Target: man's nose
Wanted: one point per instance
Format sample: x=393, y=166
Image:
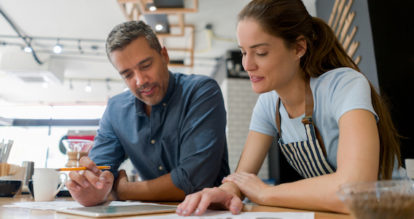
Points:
x=140, y=78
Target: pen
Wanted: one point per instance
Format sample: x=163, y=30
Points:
x=81, y=168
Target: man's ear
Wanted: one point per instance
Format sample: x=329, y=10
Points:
x=301, y=46
x=164, y=55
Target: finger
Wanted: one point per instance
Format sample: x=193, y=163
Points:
x=183, y=204
x=88, y=163
x=72, y=186
x=106, y=179
x=79, y=179
x=236, y=205
x=191, y=205
x=203, y=205
x=122, y=175
x=91, y=177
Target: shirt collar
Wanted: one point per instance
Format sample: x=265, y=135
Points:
x=140, y=106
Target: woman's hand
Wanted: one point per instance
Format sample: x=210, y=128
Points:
x=250, y=185
x=198, y=202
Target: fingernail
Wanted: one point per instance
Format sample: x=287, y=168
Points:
x=99, y=184
x=184, y=212
x=102, y=179
x=197, y=211
x=236, y=209
x=95, y=169
x=178, y=211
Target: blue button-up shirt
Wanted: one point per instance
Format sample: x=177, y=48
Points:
x=184, y=134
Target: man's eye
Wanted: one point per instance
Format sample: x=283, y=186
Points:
x=262, y=54
x=126, y=76
x=146, y=66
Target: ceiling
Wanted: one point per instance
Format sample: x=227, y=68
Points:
x=81, y=27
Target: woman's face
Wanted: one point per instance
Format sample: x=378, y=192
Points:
x=270, y=64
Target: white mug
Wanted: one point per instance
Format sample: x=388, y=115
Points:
x=409, y=166
x=45, y=183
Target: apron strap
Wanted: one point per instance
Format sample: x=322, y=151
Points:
x=308, y=115
x=279, y=130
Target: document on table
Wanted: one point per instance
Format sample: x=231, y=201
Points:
x=210, y=214
x=62, y=204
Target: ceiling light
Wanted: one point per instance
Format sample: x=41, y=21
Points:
x=27, y=49
x=70, y=84
x=159, y=27
x=88, y=87
x=108, y=87
x=57, y=49
x=151, y=6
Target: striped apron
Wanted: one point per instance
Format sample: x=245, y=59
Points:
x=308, y=157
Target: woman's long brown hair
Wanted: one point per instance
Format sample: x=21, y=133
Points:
x=289, y=20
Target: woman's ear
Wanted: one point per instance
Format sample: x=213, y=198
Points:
x=301, y=46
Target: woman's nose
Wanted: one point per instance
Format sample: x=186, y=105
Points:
x=249, y=63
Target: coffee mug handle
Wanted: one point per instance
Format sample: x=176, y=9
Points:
x=62, y=183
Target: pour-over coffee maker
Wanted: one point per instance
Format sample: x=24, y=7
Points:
x=75, y=149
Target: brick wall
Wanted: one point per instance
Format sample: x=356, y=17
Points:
x=240, y=100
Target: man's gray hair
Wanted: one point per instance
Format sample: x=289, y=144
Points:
x=123, y=34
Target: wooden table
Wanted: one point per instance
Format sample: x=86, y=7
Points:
x=14, y=213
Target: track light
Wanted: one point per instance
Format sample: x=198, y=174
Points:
x=70, y=84
x=108, y=87
x=159, y=27
x=57, y=49
x=88, y=87
x=27, y=49
x=152, y=7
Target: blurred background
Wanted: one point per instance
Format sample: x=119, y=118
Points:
x=55, y=78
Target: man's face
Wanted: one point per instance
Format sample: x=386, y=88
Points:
x=144, y=70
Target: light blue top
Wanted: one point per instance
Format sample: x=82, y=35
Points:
x=334, y=93
x=184, y=135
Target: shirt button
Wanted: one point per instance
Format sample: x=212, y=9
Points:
x=160, y=168
x=164, y=104
x=152, y=141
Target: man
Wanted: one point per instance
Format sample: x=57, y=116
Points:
x=171, y=126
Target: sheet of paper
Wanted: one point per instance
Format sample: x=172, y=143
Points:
x=210, y=214
x=62, y=204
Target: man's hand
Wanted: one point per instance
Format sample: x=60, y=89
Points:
x=92, y=186
x=121, y=186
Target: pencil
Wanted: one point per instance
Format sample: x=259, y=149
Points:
x=81, y=168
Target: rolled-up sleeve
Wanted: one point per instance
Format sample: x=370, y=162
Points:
x=107, y=149
x=203, y=158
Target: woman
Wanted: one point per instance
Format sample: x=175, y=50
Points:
x=332, y=125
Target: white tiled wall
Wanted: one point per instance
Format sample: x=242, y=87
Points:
x=240, y=100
